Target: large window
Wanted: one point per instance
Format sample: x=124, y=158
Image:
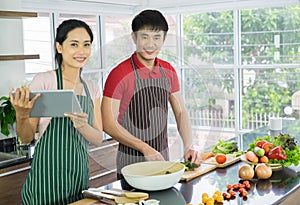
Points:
x=270, y=54
x=37, y=40
x=263, y=76
x=226, y=72
x=118, y=44
x=208, y=38
x=209, y=69
x=270, y=36
x=169, y=51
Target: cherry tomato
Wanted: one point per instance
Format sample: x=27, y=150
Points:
x=221, y=158
x=229, y=186
x=232, y=193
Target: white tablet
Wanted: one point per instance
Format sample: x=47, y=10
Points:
x=54, y=103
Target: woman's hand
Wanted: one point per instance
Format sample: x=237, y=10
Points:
x=79, y=119
x=91, y=133
x=21, y=102
x=26, y=126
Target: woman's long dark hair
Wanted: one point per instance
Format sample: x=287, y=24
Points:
x=62, y=33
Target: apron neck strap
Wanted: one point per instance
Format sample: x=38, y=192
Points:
x=134, y=68
x=137, y=73
x=60, y=81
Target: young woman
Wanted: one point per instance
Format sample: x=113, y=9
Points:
x=60, y=168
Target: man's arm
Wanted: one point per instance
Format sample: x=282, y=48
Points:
x=183, y=126
x=110, y=110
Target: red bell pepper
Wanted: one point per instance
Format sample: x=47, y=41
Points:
x=277, y=153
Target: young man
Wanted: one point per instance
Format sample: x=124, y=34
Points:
x=136, y=96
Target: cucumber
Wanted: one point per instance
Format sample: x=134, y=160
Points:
x=259, y=151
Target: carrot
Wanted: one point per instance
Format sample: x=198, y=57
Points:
x=206, y=155
x=264, y=159
x=251, y=156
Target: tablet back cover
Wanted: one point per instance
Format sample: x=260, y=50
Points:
x=54, y=103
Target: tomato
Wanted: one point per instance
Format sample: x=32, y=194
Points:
x=267, y=147
x=221, y=158
x=260, y=143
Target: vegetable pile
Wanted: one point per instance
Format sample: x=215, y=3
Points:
x=189, y=166
x=281, y=149
x=233, y=190
x=227, y=147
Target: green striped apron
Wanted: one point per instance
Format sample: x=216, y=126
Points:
x=60, y=165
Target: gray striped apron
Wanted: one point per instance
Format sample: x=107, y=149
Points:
x=146, y=118
x=60, y=166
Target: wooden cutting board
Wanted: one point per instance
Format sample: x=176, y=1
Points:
x=231, y=159
x=88, y=201
x=113, y=196
x=207, y=166
x=204, y=168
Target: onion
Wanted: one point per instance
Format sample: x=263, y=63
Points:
x=246, y=172
x=263, y=171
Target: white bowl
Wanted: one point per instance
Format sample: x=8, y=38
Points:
x=153, y=175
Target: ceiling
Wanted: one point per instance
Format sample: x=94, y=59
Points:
x=134, y=6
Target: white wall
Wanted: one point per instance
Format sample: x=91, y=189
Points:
x=168, y=7
x=11, y=42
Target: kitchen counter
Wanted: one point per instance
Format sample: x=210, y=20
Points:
x=273, y=191
x=14, y=169
x=12, y=153
x=283, y=184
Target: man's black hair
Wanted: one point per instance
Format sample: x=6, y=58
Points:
x=150, y=19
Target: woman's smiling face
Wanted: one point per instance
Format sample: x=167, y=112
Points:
x=76, y=49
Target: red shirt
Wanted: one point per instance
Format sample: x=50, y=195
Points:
x=120, y=81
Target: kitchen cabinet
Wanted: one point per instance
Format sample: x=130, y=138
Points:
x=13, y=15
x=12, y=180
x=102, y=162
x=16, y=14
x=18, y=57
